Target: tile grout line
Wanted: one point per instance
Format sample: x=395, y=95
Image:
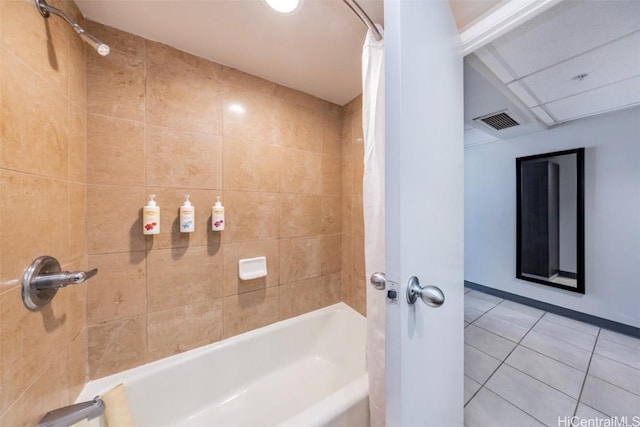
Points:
x=532, y=349
x=565, y=342
x=614, y=385
x=474, y=320
x=529, y=375
x=550, y=357
x=502, y=363
x=586, y=374
x=574, y=329
x=495, y=333
x=519, y=343
x=620, y=344
x=491, y=332
x=542, y=382
x=555, y=322
x=482, y=385
x=514, y=348
x=616, y=361
x=481, y=351
x=517, y=311
x=147, y=250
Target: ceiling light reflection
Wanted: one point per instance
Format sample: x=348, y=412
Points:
x=237, y=108
x=283, y=6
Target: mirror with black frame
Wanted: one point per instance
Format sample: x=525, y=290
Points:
x=550, y=219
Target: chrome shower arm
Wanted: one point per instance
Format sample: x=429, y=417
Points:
x=46, y=11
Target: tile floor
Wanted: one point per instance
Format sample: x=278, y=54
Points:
x=527, y=367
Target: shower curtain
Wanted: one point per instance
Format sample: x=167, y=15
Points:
x=373, y=206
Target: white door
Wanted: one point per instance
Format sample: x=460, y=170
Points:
x=424, y=213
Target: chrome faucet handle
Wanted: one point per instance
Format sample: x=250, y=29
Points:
x=85, y=275
x=72, y=414
x=62, y=279
x=42, y=279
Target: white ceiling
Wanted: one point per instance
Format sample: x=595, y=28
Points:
x=317, y=50
x=482, y=97
x=539, y=61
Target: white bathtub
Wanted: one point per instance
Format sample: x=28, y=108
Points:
x=305, y=371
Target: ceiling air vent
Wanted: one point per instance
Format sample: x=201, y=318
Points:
x=498, y=121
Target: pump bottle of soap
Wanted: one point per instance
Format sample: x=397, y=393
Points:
x=187, y=216
x=217, y=216
x=151, y=217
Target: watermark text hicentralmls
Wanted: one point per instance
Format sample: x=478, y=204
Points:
x=576, y=421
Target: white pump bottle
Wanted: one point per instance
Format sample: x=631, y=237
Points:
x=187, y=216
x=217, y=216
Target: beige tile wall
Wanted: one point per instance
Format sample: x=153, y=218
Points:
x=42, y=207
x=163, y=122
x=353, y=273
x=151, y=119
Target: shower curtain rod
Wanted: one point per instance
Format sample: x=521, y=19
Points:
x=103, y=49
x=46, y=10
x=355, y=7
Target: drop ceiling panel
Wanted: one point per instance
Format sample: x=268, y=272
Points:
x=524, y=94
x=482, y=98
x=614, y=62
x=542, y=115
x=497, y=65
x=570, y=28
x=608, y=98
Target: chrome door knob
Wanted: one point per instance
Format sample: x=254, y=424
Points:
x=378, y=280
x=430, y=295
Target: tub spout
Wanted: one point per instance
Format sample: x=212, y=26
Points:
x=72, y=414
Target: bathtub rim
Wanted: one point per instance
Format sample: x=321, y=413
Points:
x=331, y=407
x=98, y=386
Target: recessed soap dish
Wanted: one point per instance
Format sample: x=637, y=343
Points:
x=252, y=268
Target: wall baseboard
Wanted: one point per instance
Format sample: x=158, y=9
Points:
x=555, y=309
x=568, y=274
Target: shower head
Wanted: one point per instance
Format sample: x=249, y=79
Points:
x=46, y=11
x=94, y=42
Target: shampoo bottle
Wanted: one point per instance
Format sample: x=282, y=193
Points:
x=151, y=217
x=187, y=216
x=217, y=216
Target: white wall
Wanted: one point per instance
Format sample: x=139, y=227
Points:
x=568, y=211
x=612, y=214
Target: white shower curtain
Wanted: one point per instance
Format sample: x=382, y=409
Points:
x=373, y=206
